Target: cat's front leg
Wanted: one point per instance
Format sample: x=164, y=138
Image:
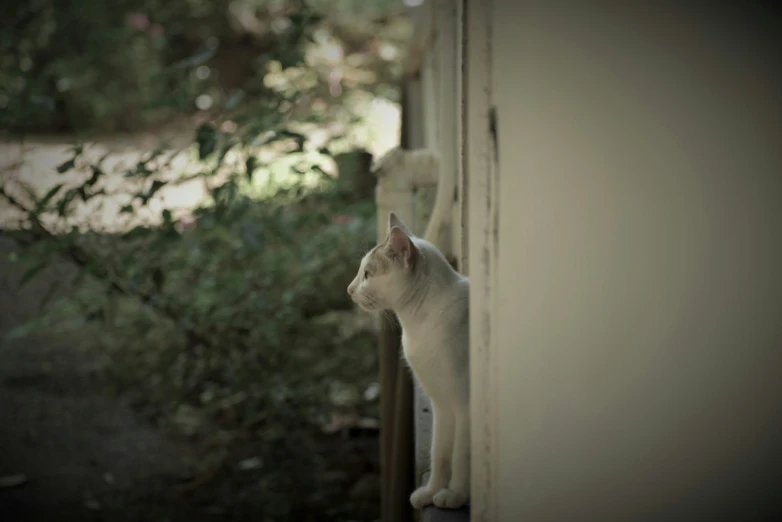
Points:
x=458, y=490
x=442, y=449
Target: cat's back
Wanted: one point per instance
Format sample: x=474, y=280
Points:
x=455, y=302
x=444, y=316
x=444, y=321
x=437, y=349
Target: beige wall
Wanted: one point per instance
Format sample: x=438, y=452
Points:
x=636, y=320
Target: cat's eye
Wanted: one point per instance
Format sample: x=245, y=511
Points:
x=366, y=274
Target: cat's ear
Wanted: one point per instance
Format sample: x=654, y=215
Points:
x=394, y=221
x=400, y=246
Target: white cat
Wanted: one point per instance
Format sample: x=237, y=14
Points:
x=411, y=276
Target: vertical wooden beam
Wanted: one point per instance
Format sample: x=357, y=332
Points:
x=462, y=219
x=482, y=201
x=395, y=193
x=448, y=122
x=429, y=85
x=396, y=429
x=388, y=346
x=455, y=69
x=402, y=477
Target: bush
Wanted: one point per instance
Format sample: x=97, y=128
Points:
x=77, y=66
x=87, y=65
x=221, y=335
x=232, y=323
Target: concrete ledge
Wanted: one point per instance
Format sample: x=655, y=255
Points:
x=435, y=514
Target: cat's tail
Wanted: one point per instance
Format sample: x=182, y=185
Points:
x=438, y=229
x=422, y=165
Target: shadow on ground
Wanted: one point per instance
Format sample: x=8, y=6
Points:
x=69, y=448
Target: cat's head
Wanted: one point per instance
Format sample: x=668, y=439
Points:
x=386, y=271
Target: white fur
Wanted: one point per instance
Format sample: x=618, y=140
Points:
x=431, y=301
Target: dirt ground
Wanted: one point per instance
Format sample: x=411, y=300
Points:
x=69, y=448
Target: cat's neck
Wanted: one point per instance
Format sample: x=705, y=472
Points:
x=426, y=293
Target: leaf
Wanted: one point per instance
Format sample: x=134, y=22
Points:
x=30, y=273
x=252, y=235
x=138, y=231
x=156, y=185
x=92, y=504
x=99, y=314
x=24, y=329
x=286, y=134
x=49, y=294
x=227, y=147
x=196, y=59
x=13, y=481
x=234, y=99
x=141, y=168
x=250, y=165
x=28, y=190
x=65, y=167
x=62, y=206
x=103, y=158
x=154, y=154
x=206, y=136
x=96, y=174
x=47, y=101
x=250, y=464
x=49, y=195
x=316, y=168
x=298, y=138
x=159, y=278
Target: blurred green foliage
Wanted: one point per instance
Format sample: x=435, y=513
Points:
x=217, y=332
x=216, y=322
x=85, y=65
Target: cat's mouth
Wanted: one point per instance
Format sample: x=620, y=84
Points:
x=367, y=304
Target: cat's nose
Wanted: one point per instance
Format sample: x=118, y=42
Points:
x=350, y=290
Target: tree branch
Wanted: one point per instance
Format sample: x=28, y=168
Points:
x=84, y=259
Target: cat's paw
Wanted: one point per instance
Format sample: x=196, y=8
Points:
x=421, y=497
x=449, y=499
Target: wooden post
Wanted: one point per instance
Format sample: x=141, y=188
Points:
x=395, y=193
x=431, y=125
x=481, y=199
